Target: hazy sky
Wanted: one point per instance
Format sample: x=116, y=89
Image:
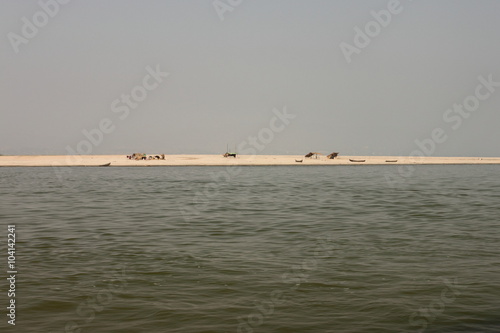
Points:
x=70, y=68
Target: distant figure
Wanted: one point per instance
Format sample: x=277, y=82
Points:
x=138, y=156
x=229, y=155
x=309, y=155
x=162, y=156
x=332, y=155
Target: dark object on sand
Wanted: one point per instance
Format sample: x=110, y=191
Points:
x=299, y=161
x=357, y=160
x=105, y=165
x=229, y=155
x=138, y=156
x=391, y=161
x=332, y=156
x=313, y=154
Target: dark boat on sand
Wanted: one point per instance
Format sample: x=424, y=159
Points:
x=357, y=160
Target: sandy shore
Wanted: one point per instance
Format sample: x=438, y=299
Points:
x=219, y=160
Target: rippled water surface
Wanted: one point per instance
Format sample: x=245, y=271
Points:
x=254, y=249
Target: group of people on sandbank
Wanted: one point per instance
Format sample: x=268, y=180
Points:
x=142, y=156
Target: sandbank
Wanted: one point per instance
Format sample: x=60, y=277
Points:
x=219, y=160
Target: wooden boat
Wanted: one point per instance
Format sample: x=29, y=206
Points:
x=299, y=161
x=356, y=160
x=105, y=165
x=391, y=161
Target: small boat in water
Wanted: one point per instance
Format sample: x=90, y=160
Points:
x=105, y=165
x=357, y=160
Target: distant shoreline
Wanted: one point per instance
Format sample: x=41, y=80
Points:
x=219, y=160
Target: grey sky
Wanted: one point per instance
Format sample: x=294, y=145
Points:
x=226, y=76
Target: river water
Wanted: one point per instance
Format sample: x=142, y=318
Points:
x=253, y=249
